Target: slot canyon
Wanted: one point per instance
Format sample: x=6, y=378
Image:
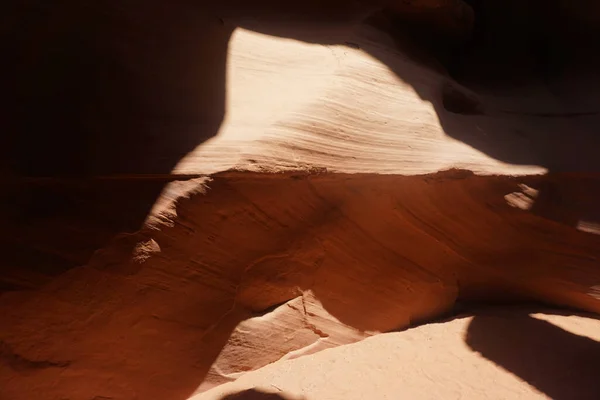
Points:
x=318, y=200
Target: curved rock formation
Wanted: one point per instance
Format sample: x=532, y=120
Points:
x=207, y=190
x=536, y=356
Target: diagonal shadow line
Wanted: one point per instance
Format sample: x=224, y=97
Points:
x=558, y=363
x=119, y=105
x=254, y=394
x=98, y=114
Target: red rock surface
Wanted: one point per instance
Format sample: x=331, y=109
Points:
x=191, y=195
x=379, y=252
x=510, y=354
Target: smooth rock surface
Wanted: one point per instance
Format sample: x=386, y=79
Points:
x=501, y=354
x=181, y=181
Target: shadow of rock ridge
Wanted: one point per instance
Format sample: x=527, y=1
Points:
x=560, y=364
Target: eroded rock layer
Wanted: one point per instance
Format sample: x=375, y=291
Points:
x=379, y=252
x=494, y=354
x=193, y=192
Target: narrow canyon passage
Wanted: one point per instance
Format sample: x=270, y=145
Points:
x=196, y=194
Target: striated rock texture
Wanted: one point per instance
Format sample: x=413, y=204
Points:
x=379, y=252
x=297, y=328
x=192, y=192
x=494, y=354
